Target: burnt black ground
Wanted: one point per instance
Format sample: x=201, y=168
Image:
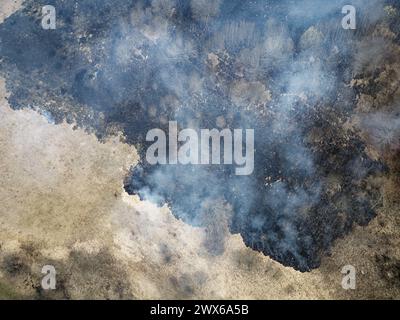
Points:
x=317, y=170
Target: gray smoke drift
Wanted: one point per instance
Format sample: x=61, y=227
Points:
x=282, y=68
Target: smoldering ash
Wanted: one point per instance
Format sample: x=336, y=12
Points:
x=198, y=148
